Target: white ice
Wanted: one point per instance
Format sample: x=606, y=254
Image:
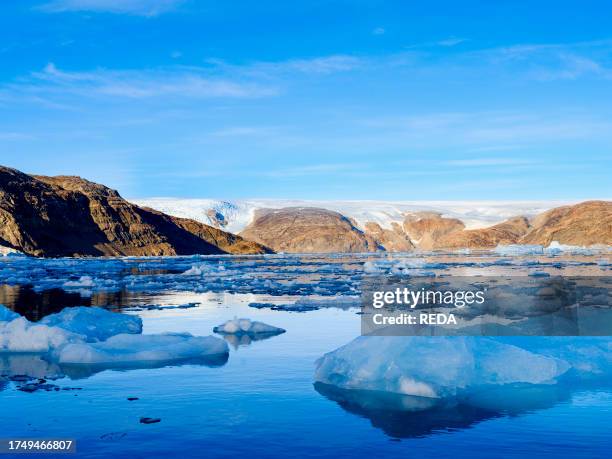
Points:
x=246, y=327
x=67, y=337
x=21, y=335
x=433, y=366
x=6, y=314
x=95, y=324
x=125, y=349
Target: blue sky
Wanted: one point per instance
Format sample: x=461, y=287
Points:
x=398, y=100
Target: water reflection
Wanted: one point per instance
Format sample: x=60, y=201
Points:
x=402, y=416
x=35, y=366
x=246, y=339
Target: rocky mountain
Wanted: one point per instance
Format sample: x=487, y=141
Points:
x=368, y=225
x=425, y=229
x=70, y=216
x=587, y=223
x=509, y=232
x=307, y=229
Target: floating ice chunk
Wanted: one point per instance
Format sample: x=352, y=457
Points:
x=20, y=335
x=555, y=248
x=246, y=327
x=6, y=315
x=433, y=366
x=519, y=249
x=95, y=324
x=83, y=282
x=539, y=274
x=589, y=356
x=126, y=349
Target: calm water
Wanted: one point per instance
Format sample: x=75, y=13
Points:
x=262, y=402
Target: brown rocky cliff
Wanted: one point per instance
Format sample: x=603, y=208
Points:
x=70, y=216
x=425, y=228
x=307, y=230
x=508, y=232
x=392, y=240
x=583, y=224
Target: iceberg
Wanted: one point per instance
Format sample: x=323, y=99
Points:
x=6, y=314
x=433, y=367
x=247, y=327
x=21, y=335
x=95, y=324
x=94, y=336
x=519, y=249
x=126, y=349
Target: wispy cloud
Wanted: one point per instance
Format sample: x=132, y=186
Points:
x=378, y=31
x=178, y=83
x=134, y=7
x=490, y=162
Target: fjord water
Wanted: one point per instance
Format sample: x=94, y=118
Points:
x=262, y=402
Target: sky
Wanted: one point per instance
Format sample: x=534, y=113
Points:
x=337, y=99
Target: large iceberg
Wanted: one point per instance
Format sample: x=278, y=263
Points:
x=433, y=367
x=125, y=349
x=95, y=324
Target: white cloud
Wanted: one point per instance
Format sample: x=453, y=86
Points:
x=452, y=41
x=139, y=84
x=135, y=7
x=378, y=31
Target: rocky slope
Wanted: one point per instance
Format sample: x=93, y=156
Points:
x=307, y=230
x=508, y=232
x=425, y=229
x=587, y=223
x=70, y=216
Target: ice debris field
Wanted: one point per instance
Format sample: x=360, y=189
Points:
x=426, y=367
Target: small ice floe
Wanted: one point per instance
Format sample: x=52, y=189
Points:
x=95, y=324
x=94, y=336
x=538, y=274
x=126, y=349
x=555, y=248
x=247, y=327
x=519, y=249
x=307, y=304
x=292, y=307
x=157, y=307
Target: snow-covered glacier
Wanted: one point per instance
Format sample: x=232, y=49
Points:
x=235, y=215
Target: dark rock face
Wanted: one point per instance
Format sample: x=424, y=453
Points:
x=307, y=230
x=70, y=216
